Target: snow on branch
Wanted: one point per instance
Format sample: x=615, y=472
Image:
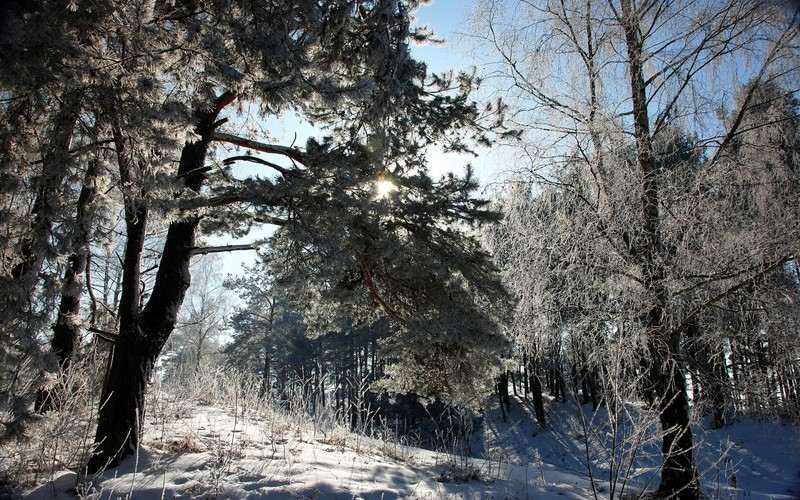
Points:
x=286, y=172
x=758, y=276
x=289, y=152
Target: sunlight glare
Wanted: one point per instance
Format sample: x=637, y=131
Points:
x=384, y=188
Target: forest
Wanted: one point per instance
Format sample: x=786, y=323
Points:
x=633, y=259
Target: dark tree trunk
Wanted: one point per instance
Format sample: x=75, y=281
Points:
x=505, y=400
x=513, y=383
x=593, y=389
x=679, y=474
x=66, y=331
x=502, y=393
x=536, y=391
x=562, y=385
x=143, y=335
x=555, y=380
x=121, y=412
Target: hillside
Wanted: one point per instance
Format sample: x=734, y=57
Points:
x=204, y=448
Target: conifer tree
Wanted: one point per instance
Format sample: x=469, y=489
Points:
x=154, y=83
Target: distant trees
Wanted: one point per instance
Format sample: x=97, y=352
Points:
x=130, y=101
x=272, y=340
x=202, y=322
x=269, y=337
x=642, y=209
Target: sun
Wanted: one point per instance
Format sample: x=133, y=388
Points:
x=384, y=188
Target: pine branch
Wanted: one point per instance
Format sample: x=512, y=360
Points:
x=284, y=171
x=293, y=153
x=371, y=286
x=223, y=248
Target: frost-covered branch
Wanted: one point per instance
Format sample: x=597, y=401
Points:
x=286, y=172
x=692, y=316
x=371, y=285
x=223, y=248
x=289, y=152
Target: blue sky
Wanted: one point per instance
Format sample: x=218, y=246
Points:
x=447, y=18
x=444, y=17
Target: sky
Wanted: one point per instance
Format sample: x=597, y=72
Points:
x=445, y=18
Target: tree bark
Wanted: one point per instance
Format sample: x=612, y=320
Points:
x=502, y=393
x=143, y=334
x=679, y=477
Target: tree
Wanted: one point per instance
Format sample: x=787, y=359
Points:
x=647, y=214
x=151, y=81
x=45, y=151
x=203, y=319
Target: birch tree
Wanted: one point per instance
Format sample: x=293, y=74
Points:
x=601, y=88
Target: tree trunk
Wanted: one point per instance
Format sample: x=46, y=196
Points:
x=505, y=400
x=513, y=383
x=121, y=414
x=143, y=335
x=679, y=474
x=122, y=398
x=66, y=331
x=536, y=390
x=502, y=393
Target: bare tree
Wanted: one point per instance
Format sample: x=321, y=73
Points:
x=633, y=112
x=202, y=320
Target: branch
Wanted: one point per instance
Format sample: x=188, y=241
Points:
x=224, y=248
x=284, y=171
x=81, y=149
x=371, y=285
x=265, y=219
x=746, y=102
x=726, y=293
x=222, y=101
x=293, y=153
x=107, y=336
x=193, y=173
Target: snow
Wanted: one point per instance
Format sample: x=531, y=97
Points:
x=192, y=450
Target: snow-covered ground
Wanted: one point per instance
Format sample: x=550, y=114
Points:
x=208, y=451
